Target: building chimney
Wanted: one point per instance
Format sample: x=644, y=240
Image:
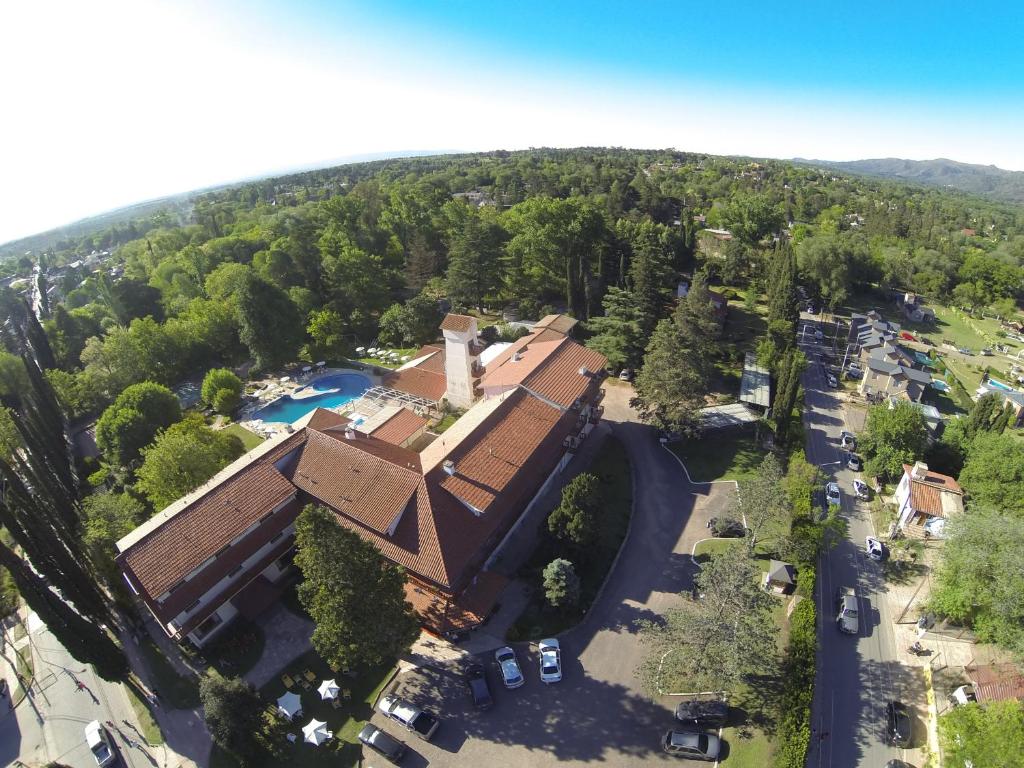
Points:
x=919, y=471
x=516, y=357
x=350, y=434
x=449, y=466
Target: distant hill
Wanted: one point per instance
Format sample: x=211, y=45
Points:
x=986, y=180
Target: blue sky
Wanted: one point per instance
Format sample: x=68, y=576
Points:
x=121, y=100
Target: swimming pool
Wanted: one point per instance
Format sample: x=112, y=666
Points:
x=337, y=389
x=999, y=385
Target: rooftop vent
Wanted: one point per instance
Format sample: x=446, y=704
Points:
x=516, y=357
x=583, y=371
x=919, y=471
x=350, y=434
x=449, y=466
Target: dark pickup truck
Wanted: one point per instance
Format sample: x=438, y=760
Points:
x=409, y=716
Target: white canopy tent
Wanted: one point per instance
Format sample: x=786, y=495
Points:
x=289, y=705
x=315, y=732
x=328, y=690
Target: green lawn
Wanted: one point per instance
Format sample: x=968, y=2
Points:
x=249, y=439
x=386, y=363
x=345, y=722
x=446, y=421
x=709, y=547
x=724, y=455
x=179, y=692
x=612, y=466
x=150, y=729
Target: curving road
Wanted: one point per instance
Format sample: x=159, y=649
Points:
x=599, y=713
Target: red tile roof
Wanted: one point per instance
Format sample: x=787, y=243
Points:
x=400, y=427
x=174, y=549
x=418, y=382
x=458, y=323
x=927, y=495
x=996, y=682
x=559, y=379
x=484, y=469
x=557, y=323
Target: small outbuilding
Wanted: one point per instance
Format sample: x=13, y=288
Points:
x=780, y=578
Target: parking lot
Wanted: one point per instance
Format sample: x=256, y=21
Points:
x=598, y=712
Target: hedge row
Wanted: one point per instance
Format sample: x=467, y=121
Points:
x=798, y=671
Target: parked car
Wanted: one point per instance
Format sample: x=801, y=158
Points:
x=907, y=336
x=550, y=661
x=511, y=674
x=874, y=549
x=832, y=494
x=986, y=352
x=964, y=351
x=702, y=714
x=832, y=381
x=899, y=723
x=692, y=745
x=848, y=441
x=382, y=742
x=854, y=462
x=479, y=690
x=409, y=716
x=626, y=375
x=811, y=309
x=860, y=489
x=818, y=335
x=854, y=372
x=846, y=611
x=727, y=528
x=98, y=739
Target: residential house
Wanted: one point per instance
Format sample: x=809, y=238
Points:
x=926, y=499
x=914, y=309
x=883, y=379
x=756, y=383
x=440, y=512
x=780, y=578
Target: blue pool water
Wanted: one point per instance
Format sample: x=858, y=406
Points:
x=1000, y=385
x=338, y=389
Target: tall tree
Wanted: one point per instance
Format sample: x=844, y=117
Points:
x=269, y=323
x=133, y=420
x=561, y=584
x=232, y=711
x=673, y=381
x=617, y=334
x=574, y=520
x=182, y=458
x=894, y=435
x=983, y=734
x=763, y=502
x=789, y=369
x=474, y=259
x=993, y=474
x=783, y=311
x=355, y=596
x=715, y=642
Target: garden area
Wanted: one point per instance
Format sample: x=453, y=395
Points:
x=600, y=523
x=249, y=439
x=344, y=716
x=723, y=455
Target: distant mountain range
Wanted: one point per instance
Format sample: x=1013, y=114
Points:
x=986, y=180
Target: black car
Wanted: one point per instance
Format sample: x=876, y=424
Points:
x=898, y=723
x=382, y=742
x=727, y=528
x=703, y=715
x=479, y=691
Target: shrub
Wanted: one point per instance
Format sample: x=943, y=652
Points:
x=221, y=390
x=798, y=672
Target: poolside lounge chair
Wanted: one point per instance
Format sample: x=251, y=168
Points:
x=288, y=682
x=305, y=683
x=308, y=674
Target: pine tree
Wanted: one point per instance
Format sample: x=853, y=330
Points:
x=783, y=311
x=85, y=640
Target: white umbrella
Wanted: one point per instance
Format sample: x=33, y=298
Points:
x=315, y=732
x=372, y=351
x=307, y=368
x=285, y=379
x=322, y=363
x=328, y=690
x=290, y=705
x=360, y=350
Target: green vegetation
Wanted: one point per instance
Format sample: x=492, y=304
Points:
x=983, y=734
x=355, y=596
x=149, y=728
x=724, y=455
x=892, y=437
x=177, y=691
x=248, y=439
x=222, y=390
x=612, y=468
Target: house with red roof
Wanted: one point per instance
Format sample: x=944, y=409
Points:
x=441, y=512
x=926, y=499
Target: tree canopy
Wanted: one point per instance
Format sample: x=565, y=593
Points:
x=993, y=475
x=893, y=436
x=355, y=596
x=221, y=390
x=134, y=419
x=983, y=734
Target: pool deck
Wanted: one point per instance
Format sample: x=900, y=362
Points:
x=296, y=390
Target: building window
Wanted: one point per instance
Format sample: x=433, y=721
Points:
x=234, y=571
x=192, y=607
x=277, y=536
x=208, y=626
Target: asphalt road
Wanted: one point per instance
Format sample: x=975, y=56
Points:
x=598, y=713
x=50, y=724
x=857, y=675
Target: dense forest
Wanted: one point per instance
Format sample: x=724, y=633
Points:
x=315, y=260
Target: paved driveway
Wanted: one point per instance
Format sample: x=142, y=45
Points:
x=598, y=713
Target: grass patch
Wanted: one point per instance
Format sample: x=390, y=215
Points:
x=237, y=649
x=147, y=723
x=345, y=722
x=249, y=439
x=177, y=691
x=446, y=421
x=611, y=466
x=727, y=455
x=387, y=363
x=705, y=550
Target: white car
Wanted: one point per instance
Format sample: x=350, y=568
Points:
x=832, y=494
x=831, y=380
x=98, y=739
x=860, y=489
x=550, y=661
x=848, y=440
x=874, y=548
x=511, y=675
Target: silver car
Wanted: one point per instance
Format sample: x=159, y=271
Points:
x=511, y=674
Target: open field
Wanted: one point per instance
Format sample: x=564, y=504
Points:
x=728, y=455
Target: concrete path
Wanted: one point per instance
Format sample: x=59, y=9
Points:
x=286, y=637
